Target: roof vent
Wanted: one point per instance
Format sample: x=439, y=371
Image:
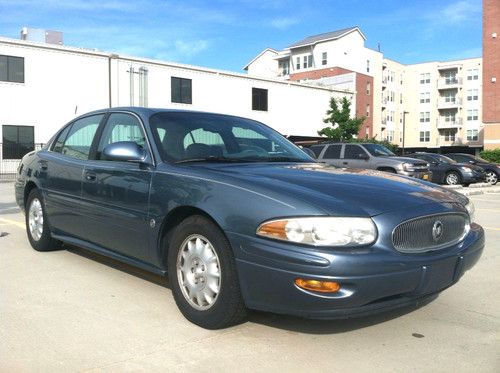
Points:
x=42, y=36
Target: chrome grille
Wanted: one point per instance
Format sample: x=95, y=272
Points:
x=416, y=235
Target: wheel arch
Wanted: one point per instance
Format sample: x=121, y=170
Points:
x=30, y=185
x=172, y=220
x=387, y=169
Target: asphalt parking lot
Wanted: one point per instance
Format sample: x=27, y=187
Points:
x=74, y=311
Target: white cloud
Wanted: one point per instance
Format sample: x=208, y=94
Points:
x=190, y=48
x=460, y=11
x=283, y=22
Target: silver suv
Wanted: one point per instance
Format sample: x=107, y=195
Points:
x=372, y=156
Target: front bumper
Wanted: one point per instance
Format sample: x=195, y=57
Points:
x=423, y=175
x=473, y=177
x=371, y=280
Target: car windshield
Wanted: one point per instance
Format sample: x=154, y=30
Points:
x=184, y=137
x=378, y=150
x=443, y=159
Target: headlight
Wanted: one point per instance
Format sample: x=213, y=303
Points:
x=471, y=209
x=321, y=231
x=408, y=166
x=466, y=169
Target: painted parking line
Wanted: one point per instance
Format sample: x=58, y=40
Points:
x=492, y=229
x=12, y=222
x=487, y=200
x=481, y=209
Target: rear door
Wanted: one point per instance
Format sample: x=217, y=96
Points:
x=115, y=195
x=62, y=168
x=331, y=155
x=353, y=157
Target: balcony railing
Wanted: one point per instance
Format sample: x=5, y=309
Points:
x=448, y=83
x=384, y=101
x=450, y=103
x=444, y=124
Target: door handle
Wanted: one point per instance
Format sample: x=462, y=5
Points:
x=90, y=176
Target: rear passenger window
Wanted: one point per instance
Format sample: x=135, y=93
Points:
x=333, y=152
x=353, y=151
x=317, y=149
x=80, y=137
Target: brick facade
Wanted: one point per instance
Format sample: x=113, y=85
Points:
x=491, y=61
x=491, y=69
x=363, y=98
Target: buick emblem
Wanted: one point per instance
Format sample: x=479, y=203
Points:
x=437, y=231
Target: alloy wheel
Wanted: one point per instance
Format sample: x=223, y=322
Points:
x=491, y=177
x=199, y=272
x=452, y=179
x=35, y=219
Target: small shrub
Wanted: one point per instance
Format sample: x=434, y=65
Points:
x=491, y=155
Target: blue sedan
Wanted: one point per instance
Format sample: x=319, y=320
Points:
x=239, y=218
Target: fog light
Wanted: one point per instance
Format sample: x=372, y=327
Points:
x=319, y=286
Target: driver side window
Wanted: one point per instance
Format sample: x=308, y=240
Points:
x=121, y=127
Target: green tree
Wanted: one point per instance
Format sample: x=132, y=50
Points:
x=341, y=126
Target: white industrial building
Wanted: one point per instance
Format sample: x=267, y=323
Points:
x=43, y=86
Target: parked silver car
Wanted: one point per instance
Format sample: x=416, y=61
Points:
x=371, y=156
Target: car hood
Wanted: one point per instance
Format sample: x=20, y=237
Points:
x=406, y=159
x=351, y=192
x=468, y=165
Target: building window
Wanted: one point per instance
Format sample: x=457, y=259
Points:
x=181, y=90
x=17, y=141
x=390, y=135
x=425, y=97
x=450, y=77
x=367, y=66
x=284, y=67
x=297, y=66
x=425, y=78
x=473, y=74
x=307, y=61
x=400, y=98
x=12, y=69
x=425, y=136
x=449, y=116
x=472, y=135
x=391, y=96
x=472, y=94
x=367, y=110
x=324, y=58
x=425, y=117
x=449, y=134
x=368, y=88
x=472, y=114
x=259, y=99
x=449, y=96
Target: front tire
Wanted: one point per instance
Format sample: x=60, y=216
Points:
x=202, y=275
x=37, y=226
x=452, y=178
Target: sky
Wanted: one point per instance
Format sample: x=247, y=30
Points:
x=227, y=34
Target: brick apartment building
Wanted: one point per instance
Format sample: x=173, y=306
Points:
x=433, y=105
x=491, y=73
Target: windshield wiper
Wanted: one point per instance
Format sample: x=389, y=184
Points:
x=285, y=159
x=211, y=158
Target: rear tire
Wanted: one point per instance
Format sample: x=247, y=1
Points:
x=491, y=177
x=37, y=225
x=202, y=275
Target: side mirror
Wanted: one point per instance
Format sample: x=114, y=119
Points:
x=363, y=156
x=124, y=151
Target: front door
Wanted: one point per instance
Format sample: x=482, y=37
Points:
x=115, y=194
x=355, y=156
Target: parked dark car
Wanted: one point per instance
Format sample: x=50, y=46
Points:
x=238, y=217
x=370, y=156
x=446, y=171
x=492, y=170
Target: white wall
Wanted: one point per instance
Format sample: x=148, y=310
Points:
x=265, y=65
x=57, y=86
x=61, y=83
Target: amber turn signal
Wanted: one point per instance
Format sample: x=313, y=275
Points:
x=319, y=286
